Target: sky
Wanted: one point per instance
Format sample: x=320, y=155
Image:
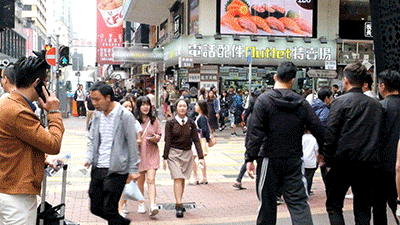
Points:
x=84, y=18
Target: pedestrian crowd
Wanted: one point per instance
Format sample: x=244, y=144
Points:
x=351, y=136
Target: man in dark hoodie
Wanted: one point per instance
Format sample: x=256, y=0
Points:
x=274, y=139
x=352, y=147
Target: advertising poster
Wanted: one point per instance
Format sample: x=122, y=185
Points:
x=194, y=17
x=110, y=14
x=267, y=17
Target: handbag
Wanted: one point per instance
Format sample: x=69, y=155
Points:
x=132, y=192
x=213, y=140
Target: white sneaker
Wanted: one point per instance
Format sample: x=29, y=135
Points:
x=154, y=210
x=141, y=208
x=125, y=209
x=349, y=196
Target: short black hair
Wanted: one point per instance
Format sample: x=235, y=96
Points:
x=335, y=86
x=369, y=81
x=104, y=88
x=203, y=106
x=391, y=79
x=356, y=74
x=286, y=71
x=9, y=72
x=323, y=93
x=187, y=101
x=28, y=69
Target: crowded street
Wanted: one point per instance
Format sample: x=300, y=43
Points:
x=215, y=203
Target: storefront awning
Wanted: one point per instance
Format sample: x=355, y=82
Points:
x=152, y=12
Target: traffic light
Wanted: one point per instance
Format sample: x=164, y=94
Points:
x=47, y=47
x=64, y=56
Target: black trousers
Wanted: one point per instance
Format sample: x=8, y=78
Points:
x=282, y=174
x=361, y=177
x=104, y=193
x=384, y=193
x=81, y=108
x=309, y=175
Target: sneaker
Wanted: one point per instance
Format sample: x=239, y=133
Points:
x=154, y=210
x=141, y=208
x=350, y=196
x=234, y=134
x=125, y=209
x=179, y=212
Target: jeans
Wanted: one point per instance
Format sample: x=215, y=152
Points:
x=241, y=173
x=105, y=192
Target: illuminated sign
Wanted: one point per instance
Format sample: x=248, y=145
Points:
x=267, y=17
x=237, y=51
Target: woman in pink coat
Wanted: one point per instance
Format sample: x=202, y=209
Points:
x=148, y=151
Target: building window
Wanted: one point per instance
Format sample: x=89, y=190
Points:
x=27, y=8
x=355, y=15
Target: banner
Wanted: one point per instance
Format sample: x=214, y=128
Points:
x=194, y=14
x=267, y=17
x=110, y=14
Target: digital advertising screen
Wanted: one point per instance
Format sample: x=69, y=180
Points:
x=267, y=17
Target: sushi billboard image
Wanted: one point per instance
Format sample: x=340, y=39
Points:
x=267, y=17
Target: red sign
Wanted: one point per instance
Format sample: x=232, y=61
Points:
x=51, y=57
x=109, y=29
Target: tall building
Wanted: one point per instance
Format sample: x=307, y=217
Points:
x=34, y=15
x=60, y=23
x=13, y=41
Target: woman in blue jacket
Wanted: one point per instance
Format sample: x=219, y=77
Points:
x=204, y=135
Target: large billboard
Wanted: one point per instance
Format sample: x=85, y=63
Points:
x=110, y=15
x=268, y=17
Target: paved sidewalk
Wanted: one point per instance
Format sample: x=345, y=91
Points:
x=216, y=203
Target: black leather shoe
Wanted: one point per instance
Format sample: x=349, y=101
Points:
x=179, y=212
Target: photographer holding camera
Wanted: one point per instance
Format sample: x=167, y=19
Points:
x=24, y=142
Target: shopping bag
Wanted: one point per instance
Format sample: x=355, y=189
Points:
x=132, y=192
x=204, y=146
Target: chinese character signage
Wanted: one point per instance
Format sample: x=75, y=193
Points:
x=110, y=14
x=238, y=51
x=267, y=17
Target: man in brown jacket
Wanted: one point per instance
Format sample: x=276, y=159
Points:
x=24, y=142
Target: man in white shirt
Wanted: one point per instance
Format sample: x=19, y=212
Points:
x=80, y=102
x=367, y=87
x=112, y=153
x=8, y=80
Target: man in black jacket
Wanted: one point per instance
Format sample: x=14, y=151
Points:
x=352, y=147
x=274, y=139
x=389, y=86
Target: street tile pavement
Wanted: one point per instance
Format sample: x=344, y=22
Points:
x=216, y=203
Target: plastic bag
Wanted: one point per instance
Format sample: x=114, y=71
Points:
x=132, y=192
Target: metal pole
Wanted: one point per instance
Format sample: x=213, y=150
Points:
x=57, y=66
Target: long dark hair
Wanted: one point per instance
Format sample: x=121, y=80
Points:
x=138, y=114
x=203, y=106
